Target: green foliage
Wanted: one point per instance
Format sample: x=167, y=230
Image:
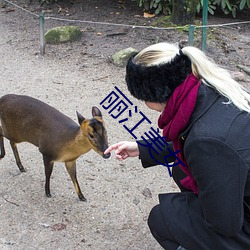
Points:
x=226, y=6
x=244, y=4
x=165, y=6
x=211, y=7
x=157, y=6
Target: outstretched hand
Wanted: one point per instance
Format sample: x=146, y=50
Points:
x=124, y=150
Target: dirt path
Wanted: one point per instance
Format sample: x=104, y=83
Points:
x=75, y=77
x=115, y=214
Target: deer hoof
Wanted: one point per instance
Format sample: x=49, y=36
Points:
x=82, y=198
x=48, y=195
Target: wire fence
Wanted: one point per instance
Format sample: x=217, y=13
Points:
x=191, y=28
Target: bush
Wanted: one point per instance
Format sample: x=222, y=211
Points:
x=165, y=6
x=156, y=6
x=232, y=6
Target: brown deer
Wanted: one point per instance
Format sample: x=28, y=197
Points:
x=59, y=138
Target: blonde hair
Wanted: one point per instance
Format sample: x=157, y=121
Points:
x=202, y=67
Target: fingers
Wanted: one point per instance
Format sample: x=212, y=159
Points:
x=121, y=149
x=124, y=150
x=113, y=147
x=121, y=157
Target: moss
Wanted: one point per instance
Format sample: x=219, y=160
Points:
x=163, y=22
x=63, y=34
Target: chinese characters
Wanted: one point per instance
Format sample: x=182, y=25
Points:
x=116, y=103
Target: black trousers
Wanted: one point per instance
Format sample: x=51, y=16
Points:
x=156, y=222
x=179, y=221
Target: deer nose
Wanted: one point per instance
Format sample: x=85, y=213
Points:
x=106, y=156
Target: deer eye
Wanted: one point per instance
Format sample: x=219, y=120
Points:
x=91, y=136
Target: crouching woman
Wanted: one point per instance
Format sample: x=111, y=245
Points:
x=205, y=116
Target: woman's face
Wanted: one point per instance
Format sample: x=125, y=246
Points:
x=156, y=106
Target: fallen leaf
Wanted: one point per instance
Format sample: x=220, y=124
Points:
x=58, y=227
x=147, y=15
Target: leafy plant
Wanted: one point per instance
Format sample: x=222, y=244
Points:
x=158, y=6
x=227, y=7
x=211, y=7
x=165, y=6
x=244, y=3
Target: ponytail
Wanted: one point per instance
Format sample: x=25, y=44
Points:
x=218, y=78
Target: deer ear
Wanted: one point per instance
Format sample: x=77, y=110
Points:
x=80, y=118
x=96, y=111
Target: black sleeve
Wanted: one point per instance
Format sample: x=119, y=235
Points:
x=149, y=160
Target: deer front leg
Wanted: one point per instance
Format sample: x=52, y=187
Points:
x=71, y=168
x=48, y=165
x=2, y=147
x=18, y=161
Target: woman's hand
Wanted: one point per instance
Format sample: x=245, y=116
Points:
x=124, y=150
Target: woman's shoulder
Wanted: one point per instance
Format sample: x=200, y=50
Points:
x=219, y=120
x=215, y=116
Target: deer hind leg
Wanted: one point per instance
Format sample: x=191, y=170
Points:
x=18, y=161
x=48, y=165
x=71, y=168
x=1, y=144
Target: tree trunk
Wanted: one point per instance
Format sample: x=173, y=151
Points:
x=183, y=11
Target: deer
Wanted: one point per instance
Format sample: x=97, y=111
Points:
x=58, y=138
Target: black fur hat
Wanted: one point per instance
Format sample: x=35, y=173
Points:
x=156, y=83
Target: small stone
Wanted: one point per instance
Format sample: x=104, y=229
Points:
x=44, y=225
x=121, y=58
x=136, y=201
x=147, y=193
x=239, y=76
x=62, y=34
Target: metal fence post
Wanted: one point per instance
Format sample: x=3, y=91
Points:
x=204, y=24
x=2, y=3
x=191, y=35
x=42, y=31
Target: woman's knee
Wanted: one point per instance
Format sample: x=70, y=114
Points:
x=153, y=218
x=159, y=229
x=156, y=223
